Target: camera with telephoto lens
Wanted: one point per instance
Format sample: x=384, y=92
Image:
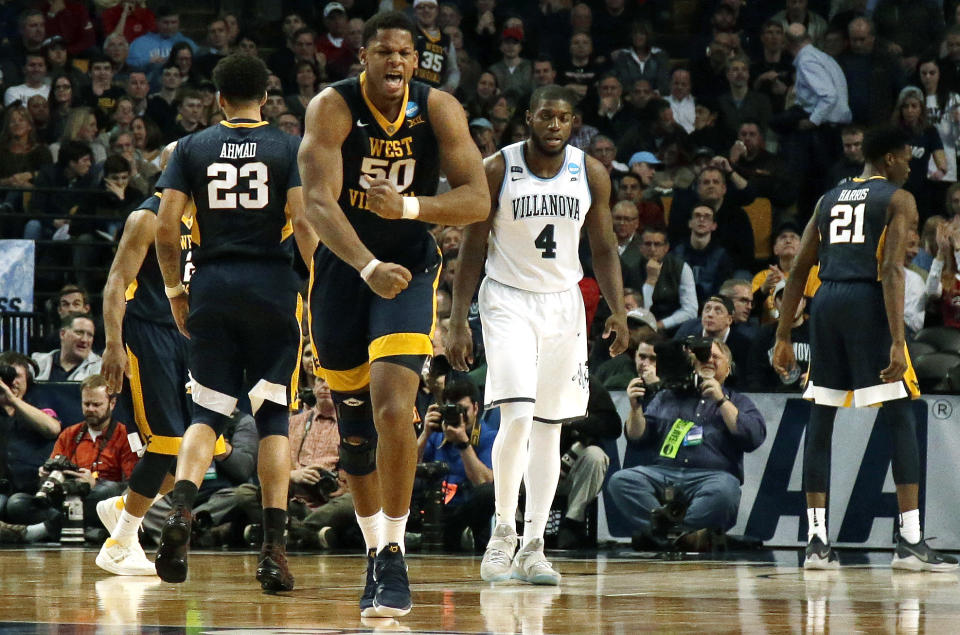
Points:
x=675, y=362
x=316, y=493
x=56, y=486
x=453, y=414
x=8, y=374
x=429, y=503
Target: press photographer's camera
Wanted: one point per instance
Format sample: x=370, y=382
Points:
x=453, y=414
x=675, y=361
x=316, y=493
x=8, y=374
x=429, y=503
x=56, y=486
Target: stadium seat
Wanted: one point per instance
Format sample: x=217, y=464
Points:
x=918, y=349
x=932, y=370
x=761, y=213
x=943, y=338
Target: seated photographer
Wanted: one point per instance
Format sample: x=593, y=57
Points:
x=700, y=431
x=583, y=463
x=761, y=376
x=92, y=459
x=716, y=322
x=27, y=430
x=320, y=507
x=455, y=434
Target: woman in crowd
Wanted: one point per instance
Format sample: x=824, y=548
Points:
x=146, y=139
x=21, y=155
x=307, y=83
x=943, y=113
x=81, y=126
x=63, y=97
x=910, y=114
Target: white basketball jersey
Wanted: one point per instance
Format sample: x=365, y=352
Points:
x=535, y=236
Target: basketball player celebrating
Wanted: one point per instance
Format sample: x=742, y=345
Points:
x=534, y=328
x=858, y=234
x=243, y=308
x=370, y=159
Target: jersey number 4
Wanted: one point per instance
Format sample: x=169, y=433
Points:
x=220, y=191
x=545, y=242
x=842, y=217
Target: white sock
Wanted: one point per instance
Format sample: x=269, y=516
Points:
x=910, y=526
x=509, y=458
x=817, y=524
x=370, y=528
x=542, y=475
x=127, y=526
x=392, y=530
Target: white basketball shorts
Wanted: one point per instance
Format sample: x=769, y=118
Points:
x=536, y=348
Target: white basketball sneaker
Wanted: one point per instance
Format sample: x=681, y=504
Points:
x=109, y=510
x=498, y=558
x=124, y=557
x=531, y=566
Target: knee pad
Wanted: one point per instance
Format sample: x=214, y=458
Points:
x=355, y=420
x=149, y=472
x=358, y=459
x=272, y=419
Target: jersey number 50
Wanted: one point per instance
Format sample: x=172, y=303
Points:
x=400, y=173
x=219, y=194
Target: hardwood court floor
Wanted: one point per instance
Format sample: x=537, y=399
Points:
x=618, y=593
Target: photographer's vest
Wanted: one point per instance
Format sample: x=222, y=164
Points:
x=666, y=293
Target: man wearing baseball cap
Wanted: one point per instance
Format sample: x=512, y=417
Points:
x=715, y=321
x=332, y=44
x=514, y=74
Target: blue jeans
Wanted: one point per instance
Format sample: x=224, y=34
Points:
x=713, y=495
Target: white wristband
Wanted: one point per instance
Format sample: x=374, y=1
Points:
x=411, y=207
x=174, y=291
x=368, y=268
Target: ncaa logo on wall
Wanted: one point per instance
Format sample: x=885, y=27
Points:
x=412, y=109
x=573, y=168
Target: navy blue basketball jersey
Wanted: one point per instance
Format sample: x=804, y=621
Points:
x=434, y=58
x=403, y=151
x=238, y=173
x=145, y=296
x=852, y=221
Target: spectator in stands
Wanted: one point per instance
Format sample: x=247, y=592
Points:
x=282, y=59
x=943, y=283
x=928, y=237
x=331, y=44
x=612, y=116
x=486, y=92
x=581, y=134
x=615, y=373
x=464, y=444
x=63, y=97
x=915, y=291
x=710, y=263
x=584, y=464
x=149, y=51
x=116, y=49
x=75, y=359
x=137, y=89
x=850, y=165
x=810, y=136
x=146, y=139
x=734, y=232
x=579, y=71
x=481, y=130
x=765, y=172
x=70, y=20
x=218, y=45
x=643, y=60
x=604, y=150
x=772, y=71
x=274, y=106
x=307, y=84
x=248, y=44
x=544, y=73
x=661, y=132
x=874, y=77
x=626, y=225
x=681, y=100
x=637, y=187
x=189, y=112
x=322, y=517
x=612, y=27
x=35, y=81
x=645, y=384
x=28, y=429
x=665, y=280
x=129, y=18
x=950, y=63
x=740, y=104
x=709, y=71
x=707, y=468
x=161, y=105
x=707, y=132
x=31, y=36
x=716, y=322
x=98, y=446
x=469, y=67
x=760, y=374
x=797, y=12
x=514, y=74
x=21, y=154
x=71, y=171
x=910, y=113
x=59, y=62
x=912, y=28
x=100, y=94
x=438, y=67
x=740, y=292
x=182, y=57
x=290, y=123
x=786, y=243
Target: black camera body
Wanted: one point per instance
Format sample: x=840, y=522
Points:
x=429, y=505
x=317, y=493
x=675, y=362
x=8, y=374
x=57, y=486
x=453, y=414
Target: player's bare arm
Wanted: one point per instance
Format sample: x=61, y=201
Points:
x=328, y=123
x=903, y=218
x=606, y=257
x=303, y=232
x=473, y=252
x=139, y=232
x=172, y=205
x=783, y=357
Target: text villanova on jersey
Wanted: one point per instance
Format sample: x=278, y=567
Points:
x=534, y=205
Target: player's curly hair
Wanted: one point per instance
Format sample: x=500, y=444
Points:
x=385, y=21
x=241, y=78
x=880, y=141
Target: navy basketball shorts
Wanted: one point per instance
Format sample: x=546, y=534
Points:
x=850, y=344
x=351, y=326
x=244, y=327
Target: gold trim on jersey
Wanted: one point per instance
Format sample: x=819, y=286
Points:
x=287, y=230
x=351, y=380
x=243, y=124
x=870, y=396
x=430, y=38
x=131, y=290
x=400, y=344
x=295, y=378
x=880, y=246
x=390, y=127
x=858, y=179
